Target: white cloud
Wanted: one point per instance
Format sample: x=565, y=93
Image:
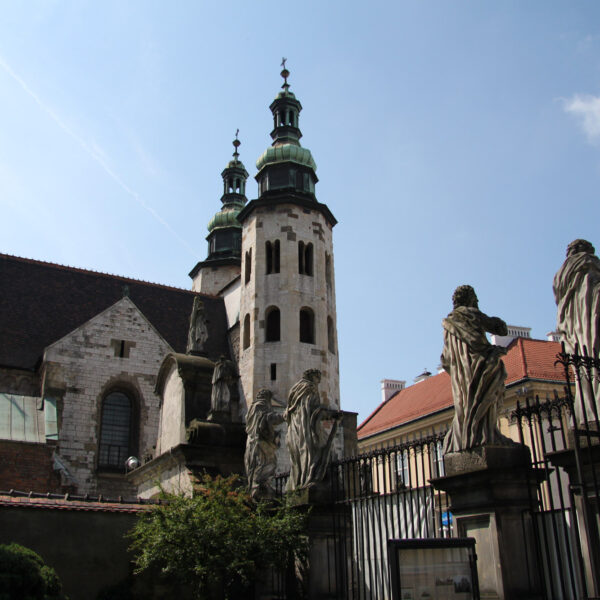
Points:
x=586, y=109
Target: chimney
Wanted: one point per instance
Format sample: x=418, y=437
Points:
x=424, y=375
x=514, y=331
x=553, y=336
x=389, y=387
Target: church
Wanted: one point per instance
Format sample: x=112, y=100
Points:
x=106, y=381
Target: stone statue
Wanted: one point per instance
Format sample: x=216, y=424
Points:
x=307, y=441
x=224, y=376
x=577, y=294
x=261, y=445
x=198, y=333
x=476, y=371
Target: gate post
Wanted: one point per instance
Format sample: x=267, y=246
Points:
x=491, y=489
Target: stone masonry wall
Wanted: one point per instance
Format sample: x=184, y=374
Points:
x=89, y=363
x=289, y=291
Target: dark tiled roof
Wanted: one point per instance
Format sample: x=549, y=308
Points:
x=42, y=302
x=526, y=358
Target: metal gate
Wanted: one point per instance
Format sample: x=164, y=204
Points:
x=563, y=436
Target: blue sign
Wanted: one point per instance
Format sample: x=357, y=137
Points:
x=446, y=518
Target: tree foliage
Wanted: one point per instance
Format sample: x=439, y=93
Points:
x=217, y=540
x=24, y=575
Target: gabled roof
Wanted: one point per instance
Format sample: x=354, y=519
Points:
x=525, y=359
x=42, y=302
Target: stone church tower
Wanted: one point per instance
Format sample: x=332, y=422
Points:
x=222, y=264
x=287, y=286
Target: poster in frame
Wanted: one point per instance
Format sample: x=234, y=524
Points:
x=433, y=569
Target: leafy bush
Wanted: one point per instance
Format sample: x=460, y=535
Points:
x=219, y=540
x=24, y=575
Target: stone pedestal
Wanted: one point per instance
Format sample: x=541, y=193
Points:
x=490, y=490
x=317, y=577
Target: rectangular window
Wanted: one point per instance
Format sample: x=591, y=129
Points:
x=273, y=371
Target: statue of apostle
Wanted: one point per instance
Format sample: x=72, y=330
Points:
x=577, y=294
x=198, y=332
x=261, y=444
x=224, y=376
x=476, y=370
x=307, y=440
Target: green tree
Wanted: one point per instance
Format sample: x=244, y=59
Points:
x=24, y=575
x=219, y=540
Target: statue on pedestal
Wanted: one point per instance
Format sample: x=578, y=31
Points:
x=476, y=370
x=261, y=444
x=308, y=442
x=198, y=332
x=577, y=294
x=224, y=376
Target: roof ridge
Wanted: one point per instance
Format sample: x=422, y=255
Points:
x=53, y=265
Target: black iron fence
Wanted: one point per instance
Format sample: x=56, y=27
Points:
x=562, y=434
x=381, y=495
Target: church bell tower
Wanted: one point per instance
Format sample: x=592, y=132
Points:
x=222, y=264
x=287, y=295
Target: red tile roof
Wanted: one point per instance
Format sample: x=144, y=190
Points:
x=41, y=302
x=525, y=359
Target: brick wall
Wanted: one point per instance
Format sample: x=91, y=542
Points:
x=27, y=467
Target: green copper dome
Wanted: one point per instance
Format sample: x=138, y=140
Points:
x=226, y=217
x=286, y=153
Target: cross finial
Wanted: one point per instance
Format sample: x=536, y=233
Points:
x=236, y=143
x=285, y=74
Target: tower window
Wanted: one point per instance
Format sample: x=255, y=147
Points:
x=248, y=266
x=273, y=331
x=273, y=371
x=305, y=258
x=272, y=257
x=328, y=278
x=246, y=332
x=115, y=431
x=307, y=326
x=330, y=336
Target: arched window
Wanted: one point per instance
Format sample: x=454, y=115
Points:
x=330, y=335
x=301, y=258
x=272, y=257
x=308, y=259
x=116, y=431
x=305, y=258
x=273, y=325
x=269, y=257
x=307, y=326
x=248, y=266
x=246, y=332
x=328, y=277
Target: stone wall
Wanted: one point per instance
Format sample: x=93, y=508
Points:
x=289, y=291
x=116, y=350
x=211, y=280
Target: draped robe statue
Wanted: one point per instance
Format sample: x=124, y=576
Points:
x=577, y=294
x=307, y=440
x=476, y=371
x=261, y=444
x=198, y=332
x=223, y=377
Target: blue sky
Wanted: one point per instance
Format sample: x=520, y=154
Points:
x=456, y=142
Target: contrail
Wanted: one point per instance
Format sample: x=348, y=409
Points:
x=94, y=154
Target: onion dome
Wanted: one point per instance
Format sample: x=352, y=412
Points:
x=286, y=165
x=225, y=231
